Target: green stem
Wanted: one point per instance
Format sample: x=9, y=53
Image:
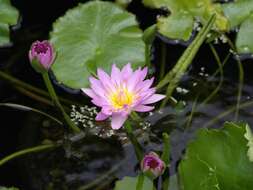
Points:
x=27, y=151
x=163, y=61
x=240, y=87
x=34, y=96
x=240, y=79
x=55, y=99
x=194, y=105
x=26, y=108
x=175, y=75
x=218, y=61
x=166, y=180
x=225, y=113
x=188, y=55
x=225, y=61
x=137, y=147
x=166, y=149
x=134, y=116
x=147, y=55
x=29, y=87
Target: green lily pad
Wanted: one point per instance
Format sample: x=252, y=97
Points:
x=95, y=34
x=244, y=41
x=180, y=23
x=239, y=14
x=249, y=136
x=140, y=182
x=217, y=160
x=8, y=16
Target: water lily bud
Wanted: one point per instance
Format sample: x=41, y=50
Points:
x=152, y=165
x=41, y=55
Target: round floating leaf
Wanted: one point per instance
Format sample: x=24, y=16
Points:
x=182, y=26
x=244, y=40
x=239, y=14
x=180, y=23
x=140, y=182
x=217, y=160
x=92, y=35
x=237, y=11
x=8, y=16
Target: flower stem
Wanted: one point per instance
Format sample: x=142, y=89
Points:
x=166, y=149
x=163, y=60
x=137, y=147
x=56, y=101
x=26, y=151
x=29, y=87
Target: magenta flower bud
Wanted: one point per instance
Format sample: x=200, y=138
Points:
x=41, y=55
x=152, y=165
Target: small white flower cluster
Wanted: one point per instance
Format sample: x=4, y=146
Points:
x=145, y=125
x=84, y=116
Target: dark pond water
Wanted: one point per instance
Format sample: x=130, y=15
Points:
x=101, y=158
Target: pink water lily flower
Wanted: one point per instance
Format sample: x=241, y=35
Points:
x=122, y=92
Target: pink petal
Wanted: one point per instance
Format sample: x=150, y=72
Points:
x=115, y=75
x=118, y=120
x=105, y=79
x=31, y=55
x=45, y=60
x=107, y=110
x=101, y=116
x=89, y=92
x=97, y=87
x=142, y=108
x=99, y=102
x=143, y=73
x=126, y=71
x=148, y=93
x=145, y=85
x=133, y=80
x=154, y=98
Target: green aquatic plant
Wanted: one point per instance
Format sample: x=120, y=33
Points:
x=8, y=17
x=104, y=34
x=98, y=37
x=239, y=14
x=174, y=76
x=184, y=16
x=219, y=160
x=42, y=56
x=140, y=182
x=179, y=24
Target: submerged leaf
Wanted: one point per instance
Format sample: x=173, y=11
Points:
x=239, y=14
x=8, y=16
x=95, y=34
x=180, y=23
x=8, y=188
x=237, y=11
x=217, y=160
x=249, y=136
x=140, y=182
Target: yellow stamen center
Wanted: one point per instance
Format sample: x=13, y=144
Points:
x=121, y=98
